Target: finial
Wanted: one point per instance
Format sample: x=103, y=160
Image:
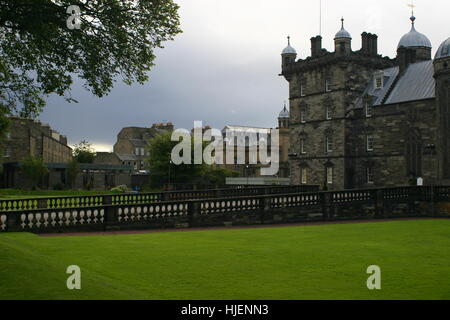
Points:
x=412, y=6
x=342, y=19
x=289, y=40
x=285, y=105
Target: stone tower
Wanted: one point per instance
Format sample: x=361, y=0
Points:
x=322, y=90
x=442, y=75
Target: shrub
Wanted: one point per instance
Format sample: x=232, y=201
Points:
x=120, y=189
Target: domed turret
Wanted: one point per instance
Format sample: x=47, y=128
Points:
x=414, y=38
x=343, y=41
x=283, y=118
x=288, y=55
x=444, y=50
x=284, y=113
x=342, y=34
x=416, y=41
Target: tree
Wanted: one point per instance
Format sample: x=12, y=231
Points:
x=34, y=169
x=40, y=55
x=72, y=172
x=162, y=170
x=84, y=152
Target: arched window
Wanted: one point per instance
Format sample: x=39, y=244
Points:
x=414, y=150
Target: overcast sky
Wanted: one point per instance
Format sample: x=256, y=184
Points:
x=223, y=69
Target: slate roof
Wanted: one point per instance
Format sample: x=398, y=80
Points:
x=416, y=83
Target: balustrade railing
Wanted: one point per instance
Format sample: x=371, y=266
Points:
x=130, y=211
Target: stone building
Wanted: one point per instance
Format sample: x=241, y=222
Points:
x=27, y=137
x=358, y=119
x=132, y=142
x=244, y=143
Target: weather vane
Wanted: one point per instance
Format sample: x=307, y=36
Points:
x=412, y=6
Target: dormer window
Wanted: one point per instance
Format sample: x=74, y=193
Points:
x=379, y=80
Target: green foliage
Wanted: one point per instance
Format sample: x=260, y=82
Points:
x=120, y=189
x=217, y=176
x=84, y=152
x=288, y=263
x=72, y=171
x=34, y=169
x=40, y=55
x=160, y=166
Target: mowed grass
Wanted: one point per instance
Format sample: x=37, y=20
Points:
x=302, y=262
x=9, y=194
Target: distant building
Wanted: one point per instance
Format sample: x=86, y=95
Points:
x=358, y=119
x=27, y=137
x=244, y=144
x=132, y=143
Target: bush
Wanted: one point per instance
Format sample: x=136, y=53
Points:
x=58, y=187
x=120, y=189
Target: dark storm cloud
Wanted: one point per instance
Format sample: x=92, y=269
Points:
x=224, y=68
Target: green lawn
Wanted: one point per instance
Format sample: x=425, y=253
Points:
x=7, y=194
x=306, y=262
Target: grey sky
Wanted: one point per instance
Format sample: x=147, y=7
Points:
x=224, y=68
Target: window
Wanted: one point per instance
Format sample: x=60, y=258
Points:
x=302, y=146
x=369, y=173
x=302, y=90
x=328, y=144
x=327, y=85
x=369, y=143
x=7, y=153
x=330, y=175
x=304, y=176
x=8, y=135
x=302, y=115
x=329, y=113
x=379, y=80
x=368, y=109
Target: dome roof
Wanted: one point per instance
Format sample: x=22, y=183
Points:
x=444, y=50
x=342, y=33
x=289, y=49
x=284, y=113
x=414, y=38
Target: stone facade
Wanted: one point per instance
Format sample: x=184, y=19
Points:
x=132, y=143
x=27, y=137
x=358, y=119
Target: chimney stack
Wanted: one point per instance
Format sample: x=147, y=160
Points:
x=316, y=46
x=369, y=44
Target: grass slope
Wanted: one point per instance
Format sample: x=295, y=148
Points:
x=308, y=262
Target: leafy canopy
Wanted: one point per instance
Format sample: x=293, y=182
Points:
x=84, y=152
x=162, y=170
x=40, y=55
x=34, y=169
